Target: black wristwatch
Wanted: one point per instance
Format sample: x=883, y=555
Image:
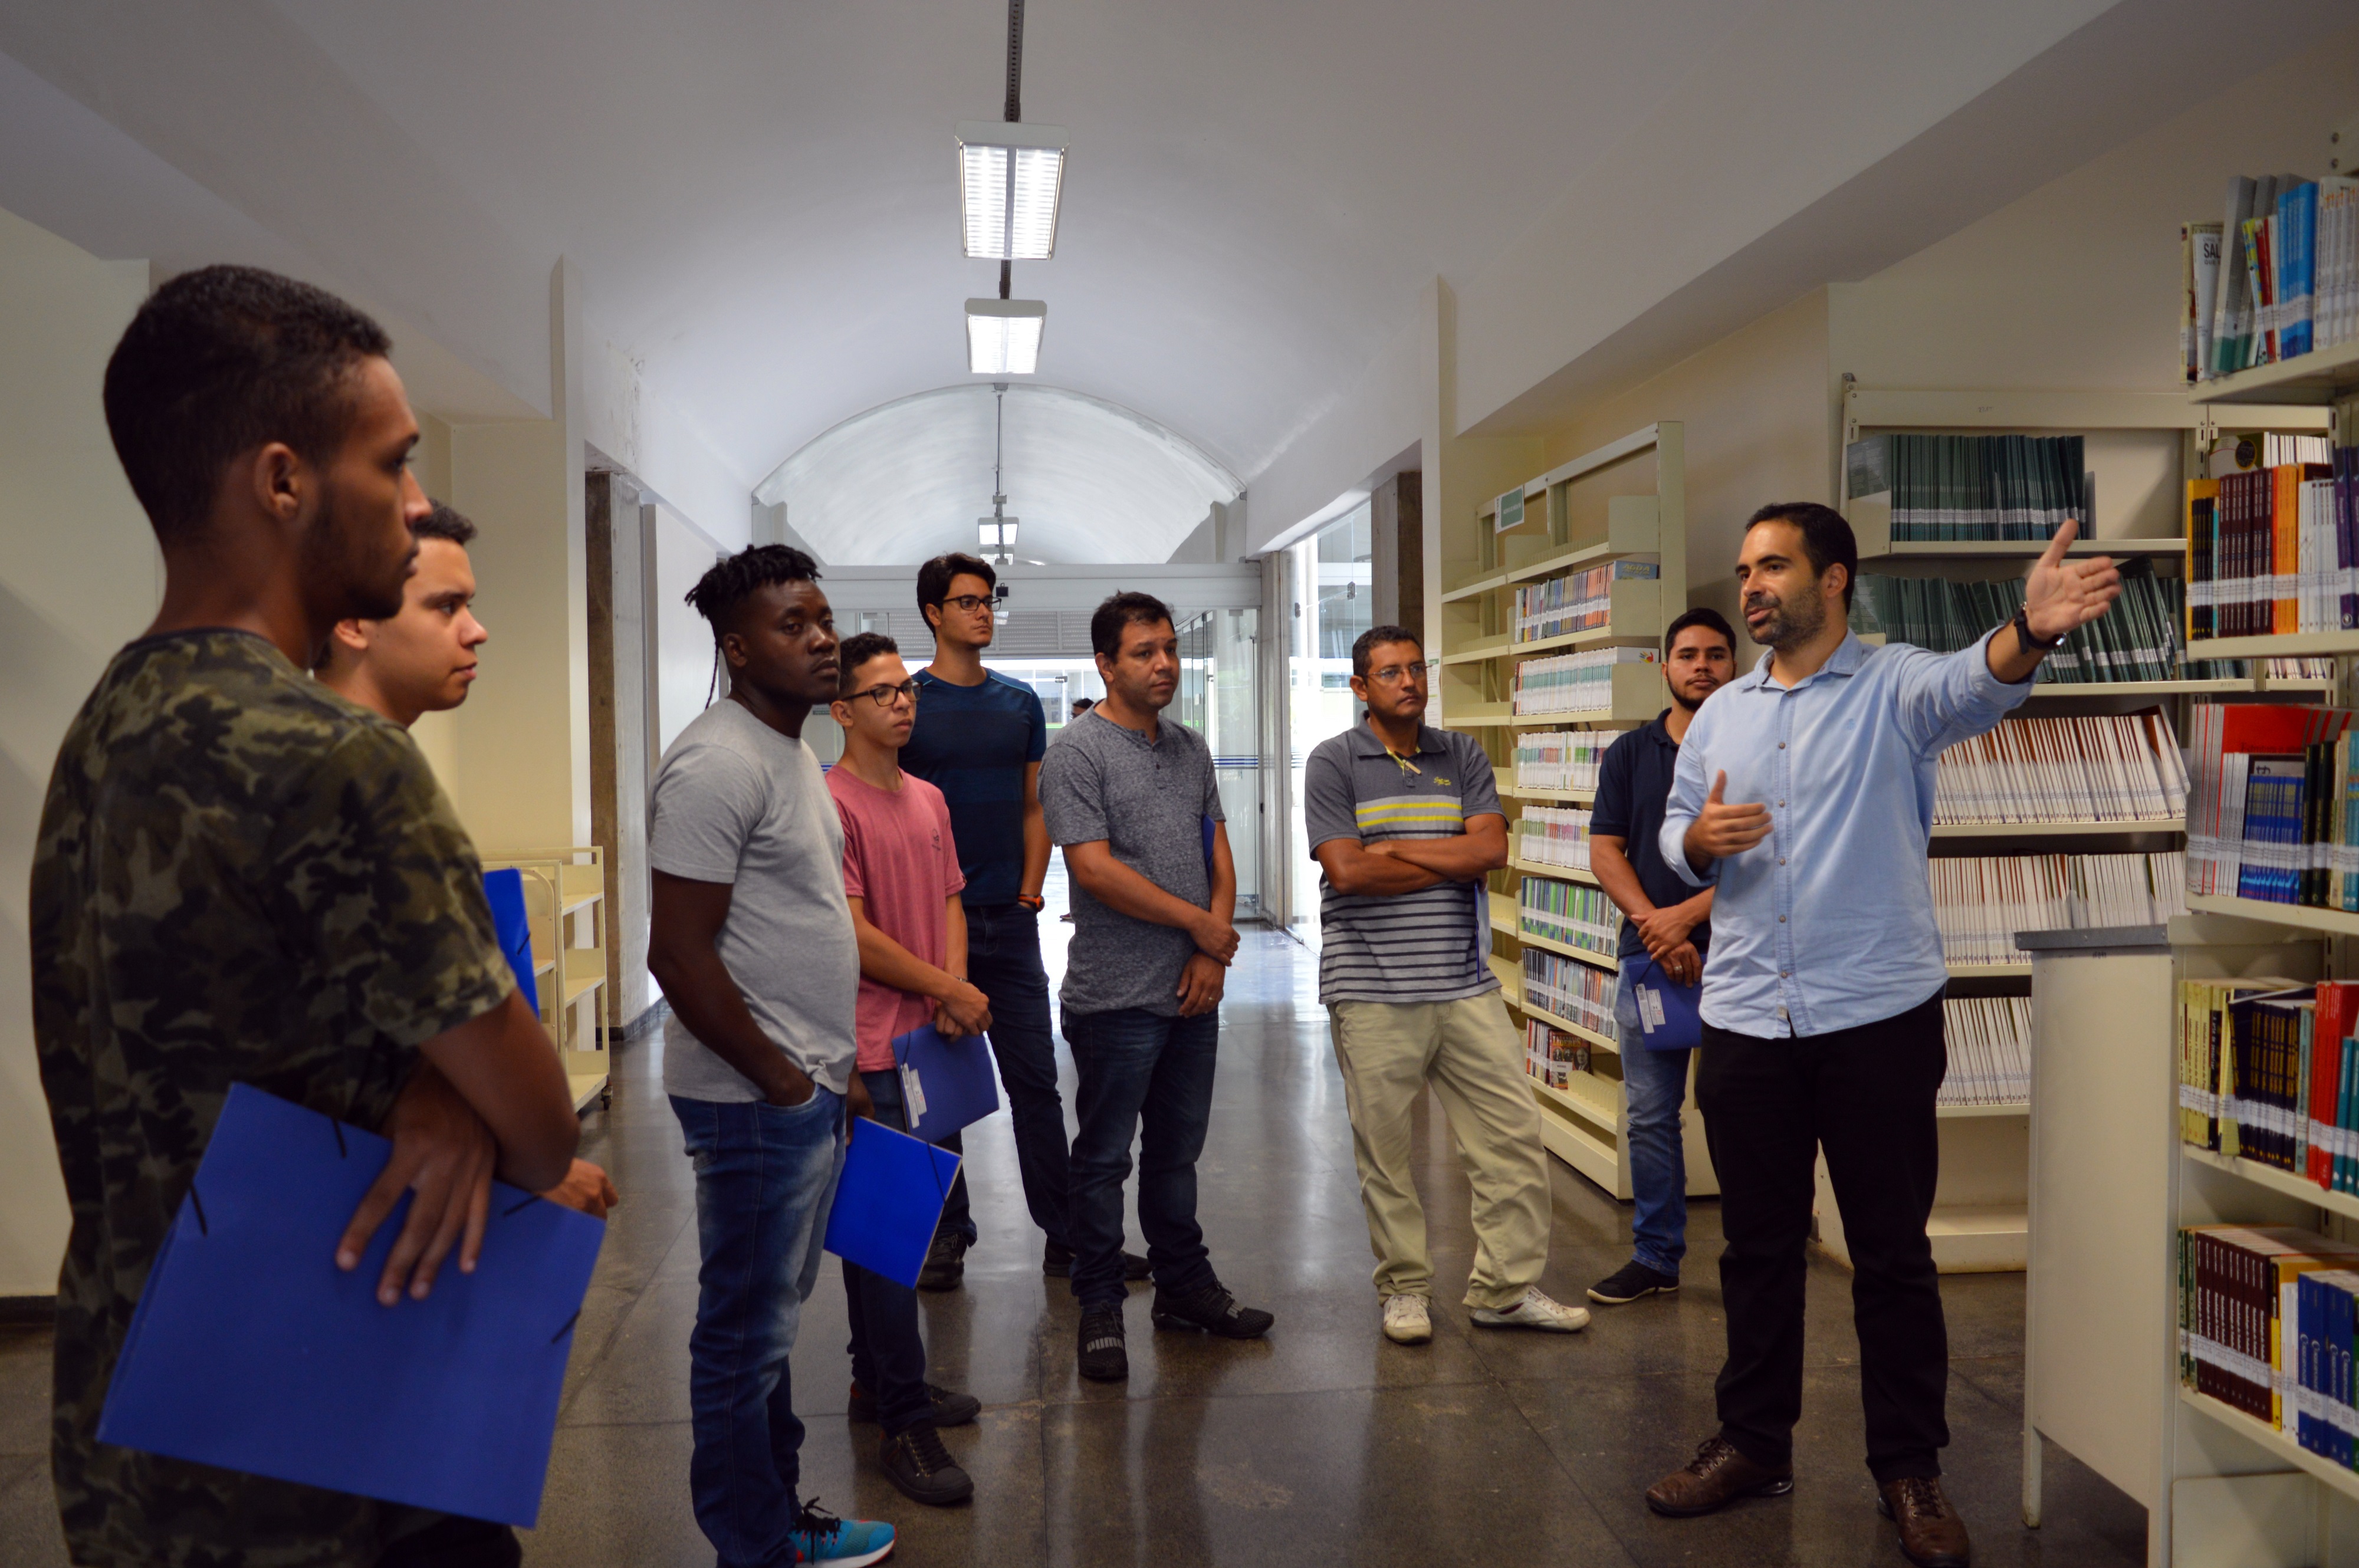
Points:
x=2023, y=636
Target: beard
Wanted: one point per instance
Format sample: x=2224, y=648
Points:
x=361, y=584
x=1789, y=626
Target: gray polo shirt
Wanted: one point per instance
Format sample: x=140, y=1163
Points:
x=1432, y=945
x=1149, y=803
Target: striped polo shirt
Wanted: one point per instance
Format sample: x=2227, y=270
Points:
x=1432, y=945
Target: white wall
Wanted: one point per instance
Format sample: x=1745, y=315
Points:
x=649, y=434
x=683, y=643
x=78, y=577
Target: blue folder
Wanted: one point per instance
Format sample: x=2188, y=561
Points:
x=505, y=888
x=1670, y=1016
x=945, y=1084
x=251, y=1350
x=888, y=1199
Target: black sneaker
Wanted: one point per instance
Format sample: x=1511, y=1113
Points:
x=1213, y=1310
x=951, y=1408
x=1103, y=1358
x=1631, y=1282
x=1057, y=1263
x=945, y=1262
x=917, y=1462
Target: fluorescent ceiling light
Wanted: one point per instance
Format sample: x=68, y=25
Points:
x=1003, y=336
x=996, y=533
x=1009, y=178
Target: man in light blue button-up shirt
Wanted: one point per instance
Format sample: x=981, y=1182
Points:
x=1804, y=796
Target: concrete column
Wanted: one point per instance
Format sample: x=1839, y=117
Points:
x=1396, y=556
x=618, y=733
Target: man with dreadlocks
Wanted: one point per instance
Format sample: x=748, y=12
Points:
x=752, y=940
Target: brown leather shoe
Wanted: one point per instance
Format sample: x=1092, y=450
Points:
x=1931, y=1534
x=1714, y=1478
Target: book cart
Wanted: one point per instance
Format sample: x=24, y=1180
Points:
x=565, y=905
x=1623, y=503
x=2112, y=1183
x=2140, y=448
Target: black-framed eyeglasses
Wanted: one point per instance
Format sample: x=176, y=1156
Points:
x=967, y=603
x=884, y=696
x=1394, y=674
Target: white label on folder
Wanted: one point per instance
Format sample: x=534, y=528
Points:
x=913, y=1095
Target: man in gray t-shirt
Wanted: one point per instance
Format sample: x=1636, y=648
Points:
x=1129, y=796
x=751, y=940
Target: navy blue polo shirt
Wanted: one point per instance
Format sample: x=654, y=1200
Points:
x=1633, y=785
x=973, y=742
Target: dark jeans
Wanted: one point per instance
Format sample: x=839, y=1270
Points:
x=455, y=1543
x=1865, y=1095
x=764, y=1178
x=1140, y=1073
x=1003, y=960
x=888, y=1356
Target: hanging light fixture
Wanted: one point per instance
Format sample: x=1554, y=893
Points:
x=996, y=533
x=1003, y=336
x=1010, y=176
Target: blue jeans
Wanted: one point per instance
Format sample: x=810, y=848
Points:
x=1656, y=1083
x=888, y=1356
x=1003, y=961
x=764, y=1178
x=1140, y=1073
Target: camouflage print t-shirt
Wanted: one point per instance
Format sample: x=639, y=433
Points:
x=241, y=877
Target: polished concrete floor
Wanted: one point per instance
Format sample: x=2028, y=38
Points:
x=1321, y=1444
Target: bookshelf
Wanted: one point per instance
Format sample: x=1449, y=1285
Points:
x=2113, y=1185
x=1624, y=503
x=565, y=905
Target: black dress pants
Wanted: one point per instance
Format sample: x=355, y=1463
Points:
x=1867, y=1096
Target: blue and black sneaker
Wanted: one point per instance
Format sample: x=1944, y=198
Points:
x=820, y=1537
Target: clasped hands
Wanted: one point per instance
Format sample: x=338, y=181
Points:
x=1206, y=973
x=1665, y=933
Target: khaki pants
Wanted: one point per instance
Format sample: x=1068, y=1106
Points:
x=1469, y=1052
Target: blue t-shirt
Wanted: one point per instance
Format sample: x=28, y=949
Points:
x=973, y=742
x=1633, y=785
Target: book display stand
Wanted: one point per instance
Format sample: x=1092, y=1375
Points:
x=565, y=903
x=1578, y=571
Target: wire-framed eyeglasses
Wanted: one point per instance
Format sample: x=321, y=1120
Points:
x=1394, y=674
x=886, y=696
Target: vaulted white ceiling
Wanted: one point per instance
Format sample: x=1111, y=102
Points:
x=759, y=194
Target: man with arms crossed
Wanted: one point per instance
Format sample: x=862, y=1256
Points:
x=1130, y=795
x=1663, y=923
x=751, y=940
x=1804, y=797
x=242, y=878
x=1405, y=821
x=421, y=661
x=901, y=876
x=979, y=740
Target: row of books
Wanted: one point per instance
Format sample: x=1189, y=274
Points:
x=1572, y=913
x=1990, y=1050
x=2252, y=1338
x=1561, y=759
x=1974, y=487
x=2268, y=808
x=1577, y=992
x=1553, y=1056
x=2121, y=767
x=1572, y=682
x=1981, y=903
x=2274, y=550
x=1577, y=602
x=1553, y=836
x=2268, y=1071
x=2275, y=278
x=2139, y=639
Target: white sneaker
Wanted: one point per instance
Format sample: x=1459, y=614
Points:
x=1407, y=1320
x=1534, y=1311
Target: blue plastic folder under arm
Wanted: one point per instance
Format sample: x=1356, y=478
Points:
x=945, y=1084
x=504, y=889
x=888, y=1199
x=252, y=1351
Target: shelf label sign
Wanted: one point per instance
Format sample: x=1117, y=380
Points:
x=1511, y=510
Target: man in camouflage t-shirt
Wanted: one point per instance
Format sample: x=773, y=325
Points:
x=243, y=877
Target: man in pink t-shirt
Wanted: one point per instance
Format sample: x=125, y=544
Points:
x=901, y=878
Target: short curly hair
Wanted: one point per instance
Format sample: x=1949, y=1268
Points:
x=735, y=578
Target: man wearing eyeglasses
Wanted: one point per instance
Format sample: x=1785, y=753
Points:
x=1405, y=821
